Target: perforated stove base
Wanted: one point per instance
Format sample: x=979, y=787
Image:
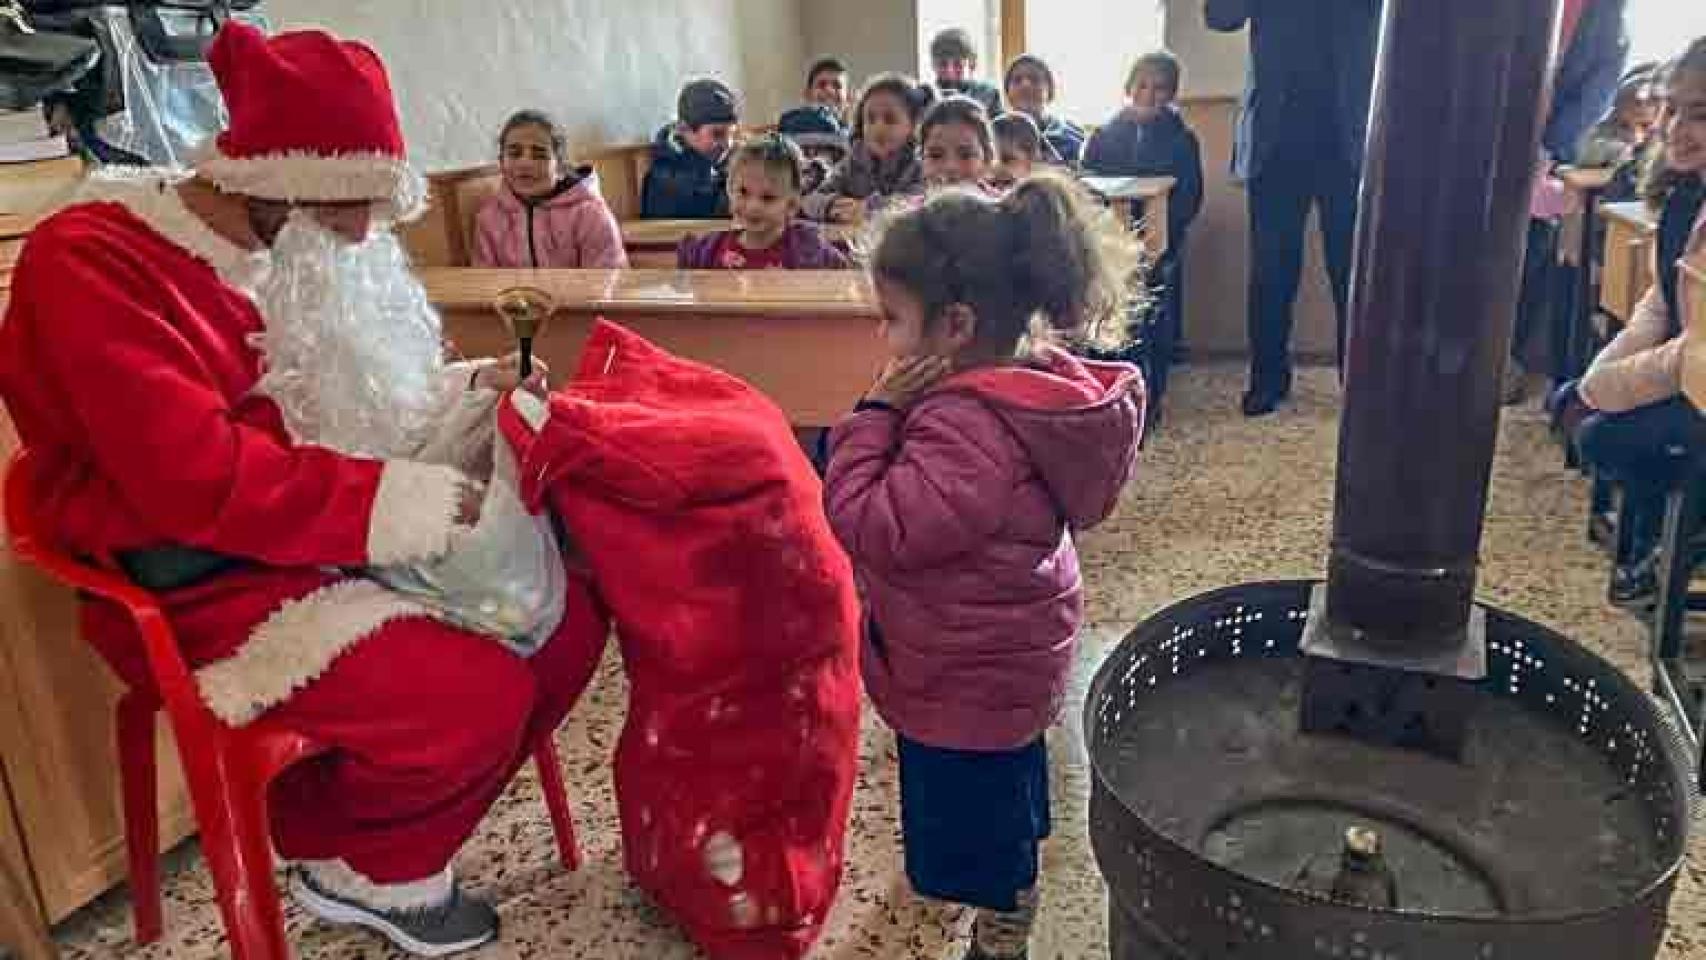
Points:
x=1558, y=838
x=1533, y=821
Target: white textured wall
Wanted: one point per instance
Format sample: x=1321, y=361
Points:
x=609, y=69
x=1214, y=62
x=870, y=36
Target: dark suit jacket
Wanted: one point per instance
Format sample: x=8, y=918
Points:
x=1311, y=77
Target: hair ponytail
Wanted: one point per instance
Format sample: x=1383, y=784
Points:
x=1072, y=261
x=1047, y=251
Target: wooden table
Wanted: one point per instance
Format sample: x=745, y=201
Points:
x=651, y=243
x=1124, y=193
x=1631, y=229
x=805, y=338
x=21, y=928
x=1692, y=293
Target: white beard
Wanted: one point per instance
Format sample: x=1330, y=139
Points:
x=352, y=352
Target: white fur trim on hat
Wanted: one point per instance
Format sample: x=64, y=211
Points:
x=300, y=175
x=414, y=514
x=294, y=646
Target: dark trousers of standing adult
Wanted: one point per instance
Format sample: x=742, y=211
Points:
x=1647, y=451
x=1167, y=292
x=1281, y=196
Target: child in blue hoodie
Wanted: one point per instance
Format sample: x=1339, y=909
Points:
x=688, y=179
x=1150, y=139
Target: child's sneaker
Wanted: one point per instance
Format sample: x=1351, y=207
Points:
x=459, y=923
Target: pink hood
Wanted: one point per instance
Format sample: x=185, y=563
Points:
x=1072, y=418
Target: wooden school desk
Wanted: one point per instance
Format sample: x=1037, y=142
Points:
x=1124, y=193
x=651, y=243
x=806, y=338
x=1631, y=230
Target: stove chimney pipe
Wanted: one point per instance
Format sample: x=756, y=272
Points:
x=1453, y=145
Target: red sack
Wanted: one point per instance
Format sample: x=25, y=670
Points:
x=703, y=523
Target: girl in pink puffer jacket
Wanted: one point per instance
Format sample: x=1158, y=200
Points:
x=956, y=487
x=547, y=214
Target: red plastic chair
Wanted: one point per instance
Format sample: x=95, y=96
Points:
x=227, y=768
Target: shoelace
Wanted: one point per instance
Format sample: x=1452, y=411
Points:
x=435, y=915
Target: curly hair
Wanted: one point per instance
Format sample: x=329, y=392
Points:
x=1046, y=251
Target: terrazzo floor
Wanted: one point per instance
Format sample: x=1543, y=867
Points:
x=1218, y=500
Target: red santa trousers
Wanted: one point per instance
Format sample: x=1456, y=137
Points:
x=703, y=523
x=427, y=725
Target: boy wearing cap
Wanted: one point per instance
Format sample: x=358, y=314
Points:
x=688, y=179
x=954, y=57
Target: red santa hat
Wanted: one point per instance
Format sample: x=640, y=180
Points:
x=312, y=119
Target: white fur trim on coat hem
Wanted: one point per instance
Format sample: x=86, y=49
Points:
x=294, y=646
x=303, y=176
x=414, y=514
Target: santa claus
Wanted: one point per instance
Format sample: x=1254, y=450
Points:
x=236, y=388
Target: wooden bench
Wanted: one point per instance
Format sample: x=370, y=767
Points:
x=444, y=235
x=807, y=339
x=652, y=243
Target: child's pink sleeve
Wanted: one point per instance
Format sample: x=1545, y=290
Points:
x=600, y=242
x=486, y=246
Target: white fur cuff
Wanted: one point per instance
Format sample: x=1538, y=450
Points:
x=414, y=514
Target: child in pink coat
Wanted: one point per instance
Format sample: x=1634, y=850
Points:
x=547, y=214
x=956, y=488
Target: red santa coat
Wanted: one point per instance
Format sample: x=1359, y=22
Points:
x=126, y=363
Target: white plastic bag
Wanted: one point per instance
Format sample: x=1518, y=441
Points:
x=504, y=578
x=169, y=108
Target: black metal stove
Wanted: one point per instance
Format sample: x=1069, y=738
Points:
x=1374, y=767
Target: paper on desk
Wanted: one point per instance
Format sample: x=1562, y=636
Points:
x=1117, y=186
x=658, y=291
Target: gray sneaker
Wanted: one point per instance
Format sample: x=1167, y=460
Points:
x=461, y=924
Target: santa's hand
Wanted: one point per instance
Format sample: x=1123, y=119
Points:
x=470, y=499
x=505, y=375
